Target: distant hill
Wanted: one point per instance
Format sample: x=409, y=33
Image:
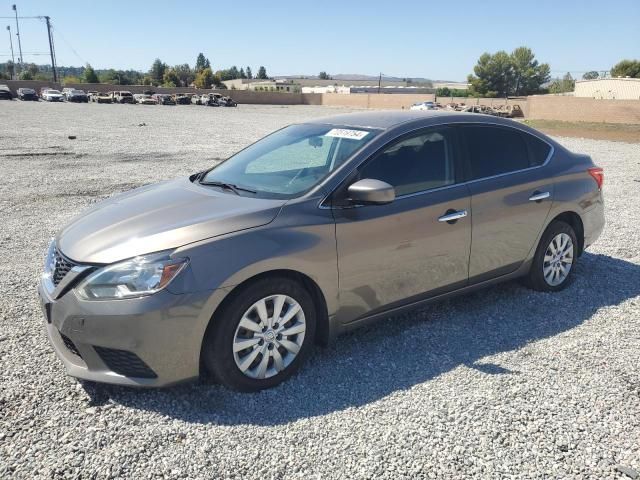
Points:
x=370, y=79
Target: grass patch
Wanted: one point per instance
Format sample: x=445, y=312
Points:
x=623, y=132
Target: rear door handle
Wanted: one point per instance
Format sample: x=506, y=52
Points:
x=452, y=216
x=539, y=196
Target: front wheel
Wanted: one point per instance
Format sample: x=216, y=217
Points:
x=262, y=336
x=555, y=258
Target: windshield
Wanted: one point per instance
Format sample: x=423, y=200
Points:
x=291, y=161
x=54, y=92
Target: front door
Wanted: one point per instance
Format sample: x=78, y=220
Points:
x=405, y=250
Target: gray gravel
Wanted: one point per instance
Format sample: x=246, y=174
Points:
x=505, y=383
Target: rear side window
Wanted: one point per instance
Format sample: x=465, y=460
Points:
x=538, y=149
x=494, y=151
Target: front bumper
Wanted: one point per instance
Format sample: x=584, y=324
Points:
x=151, y=341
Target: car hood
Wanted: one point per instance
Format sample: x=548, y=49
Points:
x=160, y=217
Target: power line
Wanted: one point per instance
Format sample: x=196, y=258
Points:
x=57, y=30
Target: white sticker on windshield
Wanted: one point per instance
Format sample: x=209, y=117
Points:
x=347, y=133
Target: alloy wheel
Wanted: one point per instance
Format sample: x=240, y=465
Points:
x=558, y=259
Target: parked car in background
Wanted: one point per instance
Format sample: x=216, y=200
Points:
x=27, y=94
x=90, y=94
x=74, y=95
x=52, y=95
x=182, y=99
x=312, y=231
x=509, y=111
x=144, y=99
x=209, y=99
x=479, y=109
x=227, y=102
x=122, y=96
x=5, y=93
x=424, y=106
x=164, y=99
x=195, y=99
x=102, y=97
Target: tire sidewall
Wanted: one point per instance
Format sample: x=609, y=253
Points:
x=217, y=349
x=537, y=275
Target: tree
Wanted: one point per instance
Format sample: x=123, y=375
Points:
x=157, y=71
x=185, y=74
x=503, y=74
x=493, y=75
x=26, y=75
x=170, y=78
x=529, y=75
x=262, y=73
x=626, y=68
x=242, y=74
x=89, y=75
x=324, y=76
x=591, y=75
x=69, y=79
x=10, y=68
x=204, y=78
x=249, y=73
x=202, y=62
x=567, y=84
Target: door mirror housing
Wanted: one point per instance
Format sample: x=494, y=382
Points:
x=369, y=191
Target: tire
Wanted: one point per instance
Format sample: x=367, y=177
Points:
x=541, y=276
x=225, y=331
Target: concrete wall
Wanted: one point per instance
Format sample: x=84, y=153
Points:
x=574, y=109
x=14, y=85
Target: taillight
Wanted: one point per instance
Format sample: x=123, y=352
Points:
x=598, y=175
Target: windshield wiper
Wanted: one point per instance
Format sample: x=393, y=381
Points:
x=228, y=186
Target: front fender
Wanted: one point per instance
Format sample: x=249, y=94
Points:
x=300, y=239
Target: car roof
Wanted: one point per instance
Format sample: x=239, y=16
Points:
x=389, y=119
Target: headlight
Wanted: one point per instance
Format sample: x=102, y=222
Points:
x=140, y=276
x=50, y=260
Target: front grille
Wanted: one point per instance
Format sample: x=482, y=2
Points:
x=70, y=345
x=62, y=265
x=125, y=363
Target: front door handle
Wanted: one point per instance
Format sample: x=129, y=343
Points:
x=539, y=196
x=452, y=216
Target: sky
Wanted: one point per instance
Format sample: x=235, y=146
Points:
x=437, y=40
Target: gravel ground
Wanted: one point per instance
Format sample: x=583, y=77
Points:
x=505, y=383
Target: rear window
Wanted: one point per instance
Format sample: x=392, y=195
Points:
x=494, y=150
x=538, y=149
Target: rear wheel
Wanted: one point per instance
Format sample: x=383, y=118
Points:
x=555, y=258
x=262, y=336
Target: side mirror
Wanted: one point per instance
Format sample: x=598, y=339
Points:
x=371, y=192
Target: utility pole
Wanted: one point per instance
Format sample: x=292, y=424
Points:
x=379, y=81
x=13, y=60
x=53, y=58
x=15, y=9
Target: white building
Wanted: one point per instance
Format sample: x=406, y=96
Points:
x=609, y=88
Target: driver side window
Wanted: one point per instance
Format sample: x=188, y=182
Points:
x=417, y=163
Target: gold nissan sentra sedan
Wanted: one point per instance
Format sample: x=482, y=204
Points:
x=311, y=231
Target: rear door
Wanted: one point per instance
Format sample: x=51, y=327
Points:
x=511, y=196
x=390, y=254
